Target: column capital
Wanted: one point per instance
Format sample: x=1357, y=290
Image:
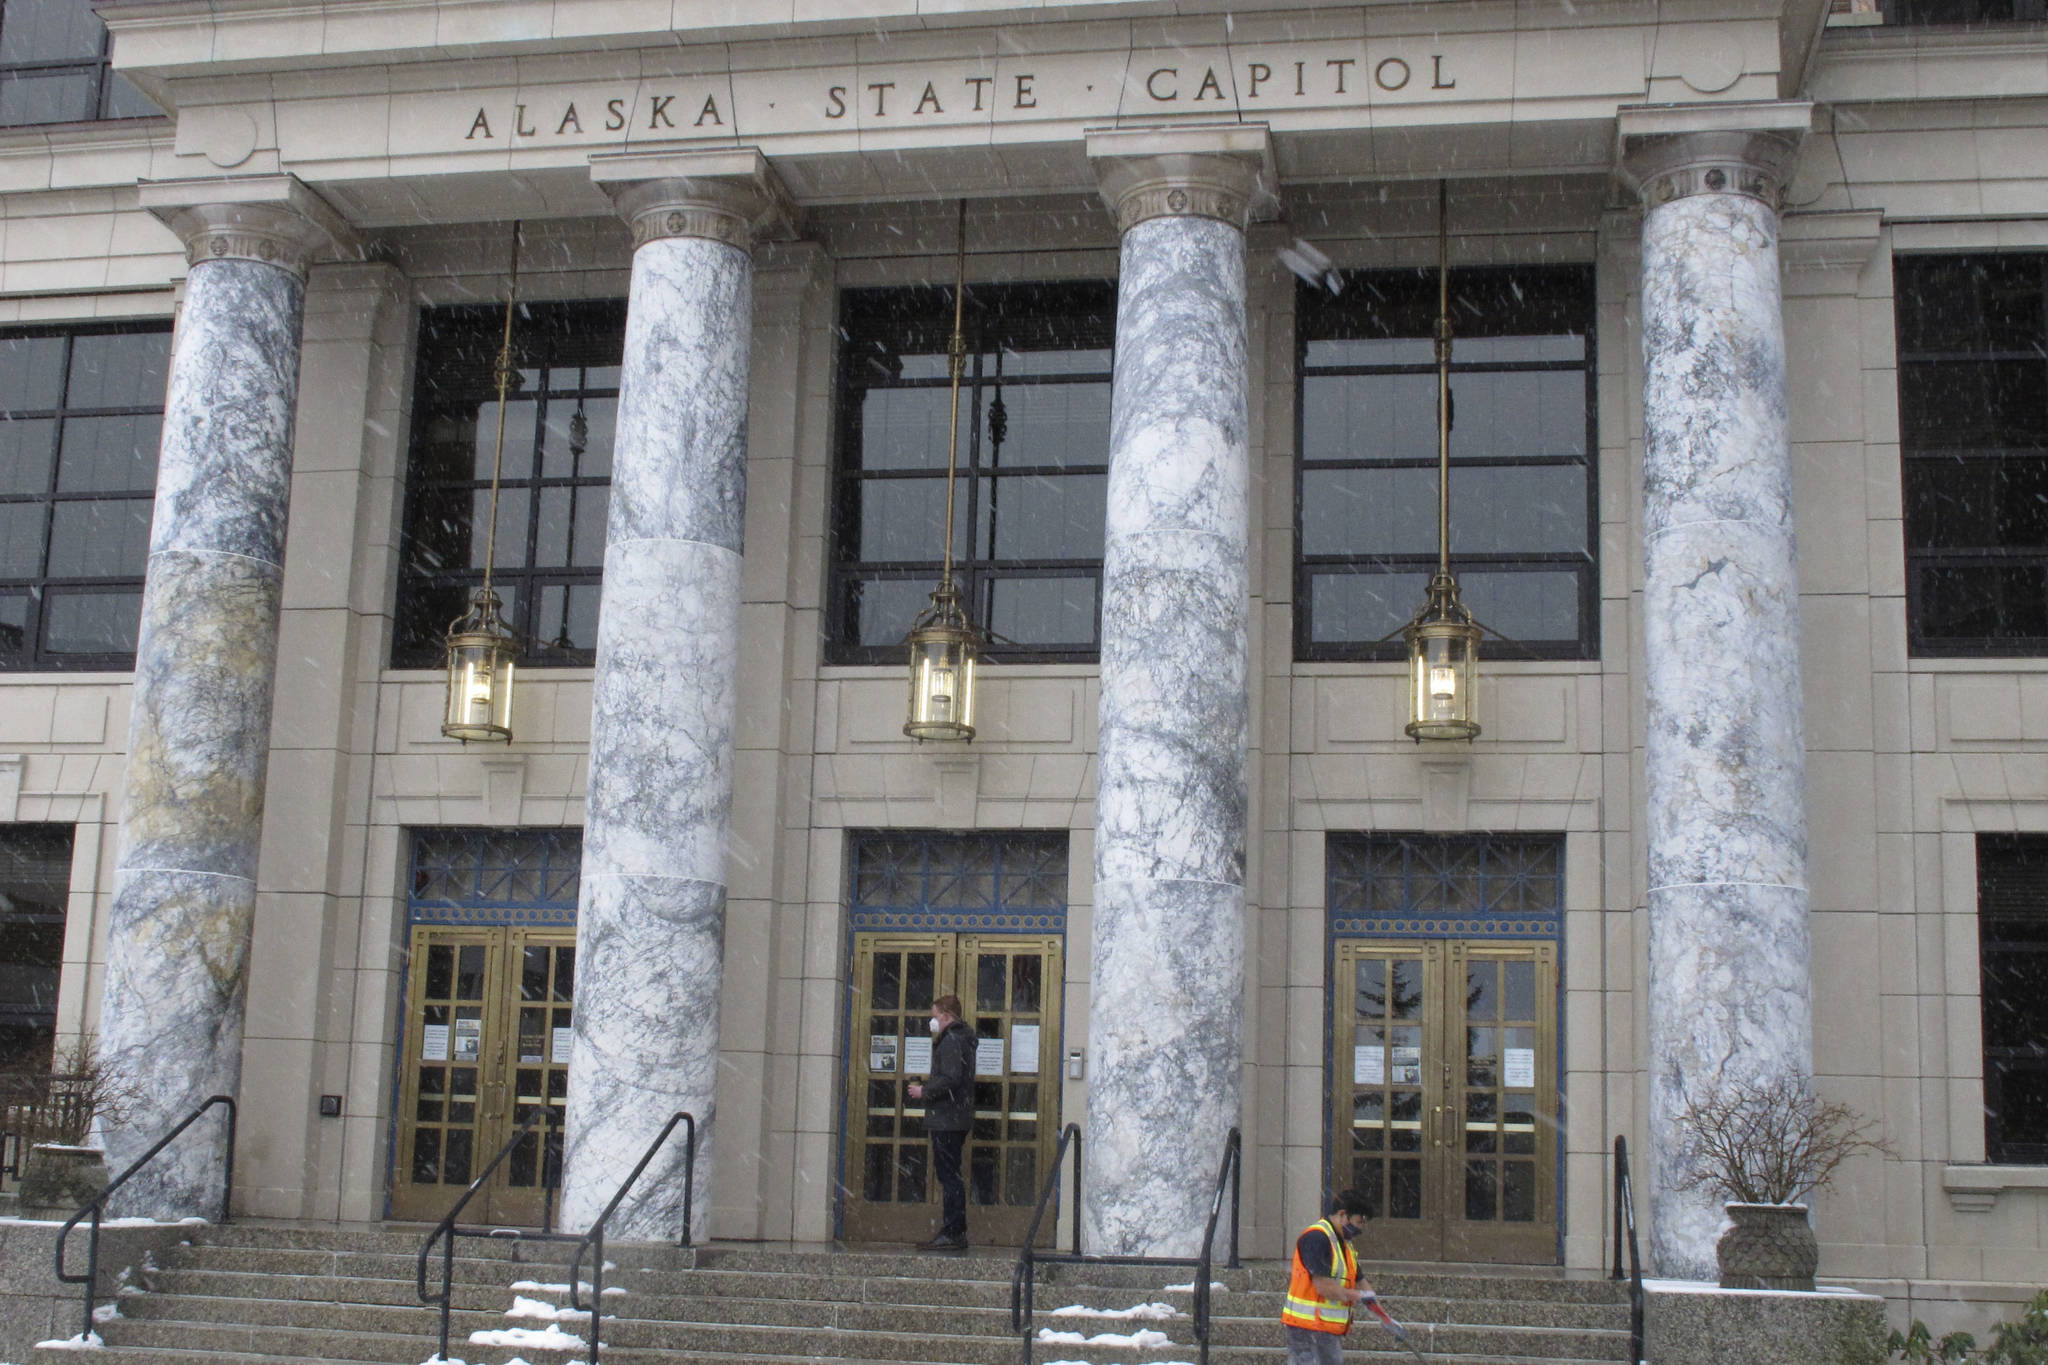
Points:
x=1746, y=147
x=1220, y=171
x=273, y=219
x=729, y=195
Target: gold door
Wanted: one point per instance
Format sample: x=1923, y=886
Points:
x=1010, y=988
x=1448, y=1120
x=486, y=1043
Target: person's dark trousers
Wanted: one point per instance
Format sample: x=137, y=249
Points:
x=947, y=1148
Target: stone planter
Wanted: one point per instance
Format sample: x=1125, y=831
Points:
x=57, y=1181
x=1767, y=1246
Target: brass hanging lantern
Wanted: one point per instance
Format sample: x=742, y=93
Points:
x=1443, y=639
x=482, y=650
x=944, y=644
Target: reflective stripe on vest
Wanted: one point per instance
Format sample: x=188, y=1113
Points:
x=1305, y=1307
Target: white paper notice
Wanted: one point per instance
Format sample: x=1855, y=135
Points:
x=1520, y=1071
x=917, y=1056
x=1407, y=1066
x=434, y=1043
x=558, y=1048
x=1369, y=1065
x=469, y=1039
x=988, y=1057
x=1024, y=1048
x=882, y=1051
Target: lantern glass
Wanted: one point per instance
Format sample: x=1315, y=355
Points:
x=481, y=659
x=1443, y=666
x=942, y=660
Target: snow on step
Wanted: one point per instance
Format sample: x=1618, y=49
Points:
x=549, y=1338
x=1144, y=1339
x=1149, y=1312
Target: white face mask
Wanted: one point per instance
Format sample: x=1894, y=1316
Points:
x=936, y=1027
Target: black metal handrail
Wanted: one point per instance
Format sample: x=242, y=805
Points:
x=595, y=1237
x=1023, y=1280
x=1231, y=1172
x=1625, y=1223
x=90, y=1279
x=445, y=1231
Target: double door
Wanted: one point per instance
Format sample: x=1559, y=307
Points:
x=1444, y=1097
x=1010, y=989
x=488, y=1019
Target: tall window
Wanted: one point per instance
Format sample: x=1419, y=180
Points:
x=2012, y=938
x=1973, y=427
x=1034, y=463
x=53, y=66
x=35, y=883
x=80, y=417
x=1523, y=509
x=556, y=483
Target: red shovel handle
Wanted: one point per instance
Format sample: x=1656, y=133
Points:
x=1384, y=1316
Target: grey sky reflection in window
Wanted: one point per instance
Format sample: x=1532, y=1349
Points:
x=1033, y=465
x=1523, y=508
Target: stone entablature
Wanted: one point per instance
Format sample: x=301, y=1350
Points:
x=842, y=116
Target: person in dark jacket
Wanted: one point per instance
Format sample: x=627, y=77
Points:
x=948, y=1095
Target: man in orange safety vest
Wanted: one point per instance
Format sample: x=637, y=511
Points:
x=1325, y=1284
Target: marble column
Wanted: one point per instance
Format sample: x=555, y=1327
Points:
x=1166, y=1022
x=199, y=722
x=1724, y=749
x=650, y=931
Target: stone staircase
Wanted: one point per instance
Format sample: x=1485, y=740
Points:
x=243, y=1294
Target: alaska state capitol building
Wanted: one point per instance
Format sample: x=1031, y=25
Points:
x=1749, y=486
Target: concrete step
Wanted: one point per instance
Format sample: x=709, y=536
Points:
x=291, y=1292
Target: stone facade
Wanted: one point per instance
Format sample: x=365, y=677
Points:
x=403, y=137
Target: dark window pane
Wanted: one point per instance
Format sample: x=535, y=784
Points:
x=1053, y=611
x=104, y=539
x=1368, y=417
x=21, y=538
x=13, y=625
x=1481, y=1191
x=61, y=96
x=904, y=428
x=91, y=622
x=912, y=1165
x=2012, y=932
x=1034, y=399
x=1363, y=606
x=898, y=520
x=884, y=608
x=426, y=1156
x=1518, y=1192
x=49, y=31
x=1973, y=416
x=1368, y=511
x=31, y=373
x=1037, y=516
x=1520, y=494
x=51, y=466
x=548, y=553
x=110, y=454
x=878, y=1173
x=1494, y=510
x=119, y=370
x=1046, y=424
x=119, y=98
x=461, y=1144
x=1404, y=1189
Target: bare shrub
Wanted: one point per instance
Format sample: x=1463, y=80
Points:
x=82, y=1088
x=1773, y=1142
